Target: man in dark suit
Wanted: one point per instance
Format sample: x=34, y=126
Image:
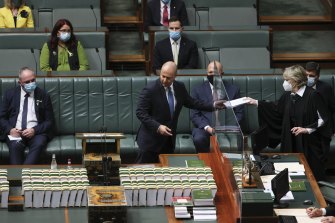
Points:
x=326, y=91
x=155, y=12
x=329, y=211
x=26, y=119
x=177, y=48
x=160, y=103
x=202, y=121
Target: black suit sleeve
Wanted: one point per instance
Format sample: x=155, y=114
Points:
x=5, y=111
x=193, y=103
x=183, y=14
x=157, y=64
x=144, y=109
x=330, y=210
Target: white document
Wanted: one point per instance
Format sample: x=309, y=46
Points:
x=232, y=155
x=292, y=166
x=12, y=138
x=236, y=102
x=299, y=213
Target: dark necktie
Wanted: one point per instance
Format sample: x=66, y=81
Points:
x=165, y=16
x=170, y=101
x=24, y=112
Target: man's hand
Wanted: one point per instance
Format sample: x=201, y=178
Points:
x=28, y=133
x=251, y=101
x=15, y=132
x=313, y=212
x=210, y=130
x=299, y=130
x=219, y=104
x=328, y=219
x=164, y=130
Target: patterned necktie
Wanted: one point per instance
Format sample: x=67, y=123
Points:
x=165, y=16
x=170, y=101
x=24, y=112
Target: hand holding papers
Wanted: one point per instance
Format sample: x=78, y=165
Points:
x=236, y=102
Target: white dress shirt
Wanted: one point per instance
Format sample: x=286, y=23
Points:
x=31, y=114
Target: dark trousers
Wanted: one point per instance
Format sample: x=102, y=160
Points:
x=201, y=140
x=16, y=149
x=144, y=156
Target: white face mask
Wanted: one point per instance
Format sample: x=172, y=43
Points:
x=287, y=86
x=310, y=81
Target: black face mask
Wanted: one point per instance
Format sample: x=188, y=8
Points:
x=210, y=78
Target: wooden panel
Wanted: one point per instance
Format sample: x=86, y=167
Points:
x=290, y=57
x=295, y=19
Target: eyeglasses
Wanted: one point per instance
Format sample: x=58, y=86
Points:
x=64, y=30
x=30, y=81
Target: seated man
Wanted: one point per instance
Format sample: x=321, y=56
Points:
x=158, y=12
x=26, y=119
x=203, y=120
x=177, y=48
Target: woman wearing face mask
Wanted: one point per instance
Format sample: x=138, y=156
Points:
x=63, y=52
x=298, y=120
x=16, y=14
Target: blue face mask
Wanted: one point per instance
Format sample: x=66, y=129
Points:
x=175, y=35
x=310, y=81
x=166, y=1
x=64, y=36
x=30, y=87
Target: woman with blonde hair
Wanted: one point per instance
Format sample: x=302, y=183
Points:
x=15, y=14
x=298, y=120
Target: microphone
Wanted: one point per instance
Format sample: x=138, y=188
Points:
x=197, y=9
x=195, y=18
x=32, y=51
x=95, y=16
x=97, y=50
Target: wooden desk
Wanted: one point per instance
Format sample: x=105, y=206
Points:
x=102, y=136
x=227, y=199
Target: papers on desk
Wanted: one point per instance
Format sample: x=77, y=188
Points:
x=294, y=168
x=236, y=102
x=266, y=180
x=299, y=213
x=232, y=155
x=12, y=138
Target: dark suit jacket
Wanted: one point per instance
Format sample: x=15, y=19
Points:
x=203, y=92
x=330, y=210
x=326, y=92
x=153, y=111
x=153, y=13
x=11, y=107
x=187, y=57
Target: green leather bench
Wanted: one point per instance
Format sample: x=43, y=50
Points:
x=85, y=104
x=27, y=46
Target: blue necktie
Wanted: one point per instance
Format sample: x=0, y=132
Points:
x=24, y=112
x=170, y=101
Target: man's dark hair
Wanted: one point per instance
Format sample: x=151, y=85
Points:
x=313, y=66
x=175, y=19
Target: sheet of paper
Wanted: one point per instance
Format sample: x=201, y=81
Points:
x=12, y=138
x=299, y=213
x=236, y=102
x=232, y=155
x=292, y=166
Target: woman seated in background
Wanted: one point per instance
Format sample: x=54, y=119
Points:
x=16, y=14
x=298, y=120
x=63, y=52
